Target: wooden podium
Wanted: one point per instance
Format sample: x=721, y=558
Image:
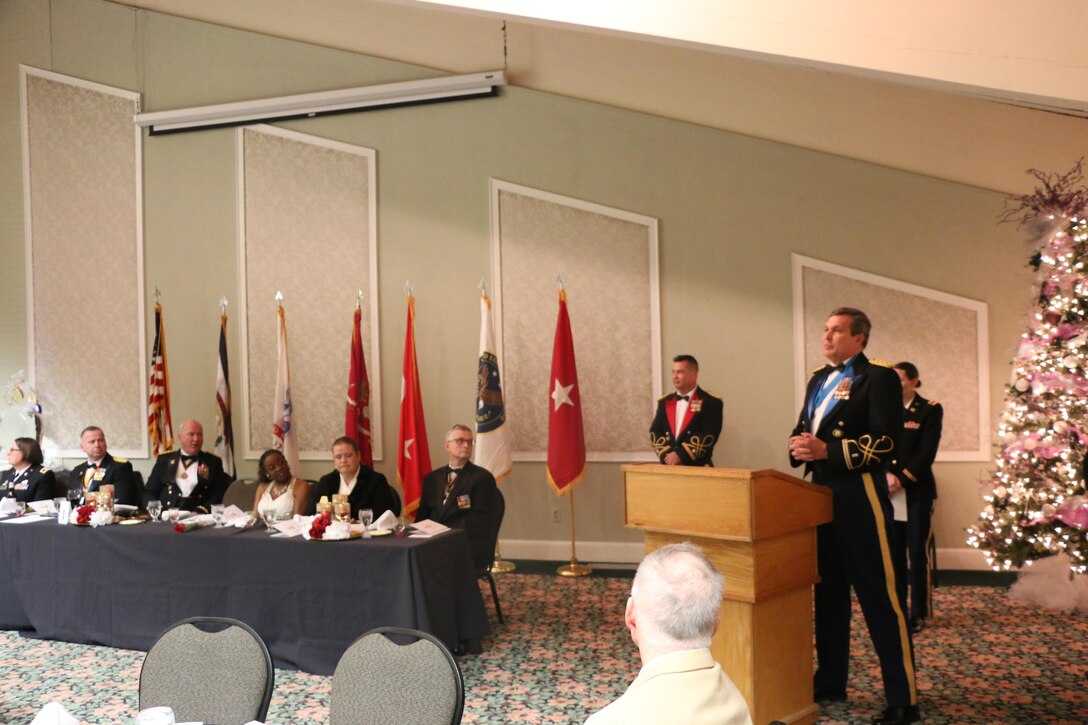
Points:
x=759, y=530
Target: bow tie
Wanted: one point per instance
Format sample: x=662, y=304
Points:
x=683, y=397
x=840, y=367
x=187, y=460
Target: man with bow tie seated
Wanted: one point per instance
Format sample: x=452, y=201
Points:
x=190, y=480
x=688, y=422
x=462, y=495
x=102, y=469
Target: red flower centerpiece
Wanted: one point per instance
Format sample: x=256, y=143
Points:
x=83, y=514
x=320, y=523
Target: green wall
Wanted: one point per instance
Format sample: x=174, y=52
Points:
x=732, y=209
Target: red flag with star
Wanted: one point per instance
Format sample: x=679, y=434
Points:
x=566, y=436
x=413, y=455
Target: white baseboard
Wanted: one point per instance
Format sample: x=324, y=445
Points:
x=961, y=559
x=609, y=552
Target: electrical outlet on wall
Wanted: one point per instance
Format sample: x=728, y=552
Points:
x=557, y=518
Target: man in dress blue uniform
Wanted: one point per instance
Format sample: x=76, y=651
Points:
x=846, y=437
x=102, y=469
x=688, y=422
x=192, y=479
x=912, y=470
x=463, y=495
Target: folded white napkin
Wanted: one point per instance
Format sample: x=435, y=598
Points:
x=43, y=507
x=426, y=528
x=231, y=515
x=386, y=521
x=53, y=714
x=124, y=508
x=7, y=505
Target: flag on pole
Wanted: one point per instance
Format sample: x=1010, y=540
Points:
x=413, y=454
x=159, y=427
x=566, y=437
x=284, y=435
x=224, y=430
x=492, y=435
x=357, y=413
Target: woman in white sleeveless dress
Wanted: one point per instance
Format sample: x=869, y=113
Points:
x=278, y=488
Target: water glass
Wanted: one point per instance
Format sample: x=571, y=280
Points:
x=57, y=502
x=269, y=517
x=20, y=507
x=154, y=509
x=218, y=510
x=366, y=516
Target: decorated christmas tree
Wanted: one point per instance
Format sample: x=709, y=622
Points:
x=1036, y=505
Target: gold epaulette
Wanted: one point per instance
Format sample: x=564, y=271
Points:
x=712, y=395
x=819, y=369
x=881, y=363
x=120, y=460
x=44, y=469
x=932, y=402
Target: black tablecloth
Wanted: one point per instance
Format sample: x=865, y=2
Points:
x=122, y=585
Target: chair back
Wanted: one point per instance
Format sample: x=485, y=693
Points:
x=208, y=669
x=379, y=681
x=483, y=559
x=241, y=493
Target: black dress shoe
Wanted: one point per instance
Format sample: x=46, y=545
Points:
x=898, y=716
x=917, y=625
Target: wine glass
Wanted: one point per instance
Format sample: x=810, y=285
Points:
x=154, y=509
x=366, y=516
x=74, y=494
x=218, y=510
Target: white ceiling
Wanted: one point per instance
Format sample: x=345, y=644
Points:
x=1003, y=49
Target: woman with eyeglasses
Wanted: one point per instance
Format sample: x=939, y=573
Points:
x=27, y=479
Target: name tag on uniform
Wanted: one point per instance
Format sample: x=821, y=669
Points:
x=464, y=501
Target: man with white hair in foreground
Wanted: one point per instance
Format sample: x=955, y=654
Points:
x=673, y=612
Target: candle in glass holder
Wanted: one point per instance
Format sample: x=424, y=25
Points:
x=324, y=505
x=341, y=510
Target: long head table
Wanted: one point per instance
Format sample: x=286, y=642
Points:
x=122, y=585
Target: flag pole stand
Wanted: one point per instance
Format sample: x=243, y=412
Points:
x=501, y=565
x=573, y=568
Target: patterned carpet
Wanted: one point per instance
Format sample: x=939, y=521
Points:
x=564, y=653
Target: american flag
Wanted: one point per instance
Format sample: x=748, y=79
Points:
x=159, y=428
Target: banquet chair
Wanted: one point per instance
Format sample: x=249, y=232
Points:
x=484, y=572
x=375, y=673
x=241, y=493
x=208, y=669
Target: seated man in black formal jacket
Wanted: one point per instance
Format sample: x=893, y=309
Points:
x=192, y=479
x=365, y=487
x=102, y=469
x=462, y=495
